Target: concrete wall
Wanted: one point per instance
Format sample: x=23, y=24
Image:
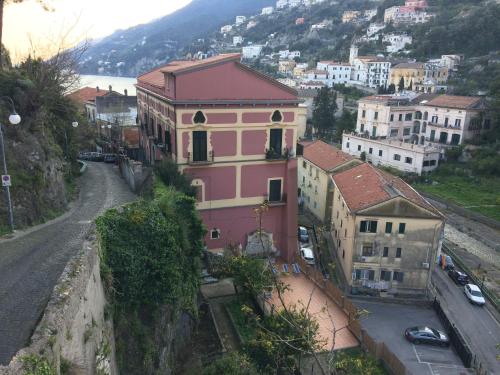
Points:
x=74, y=327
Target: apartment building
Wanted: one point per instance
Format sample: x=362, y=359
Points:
x=386, y=235
x=371, y=71
x=338, y=72
x=233, y=131
x=315, y=167
x=411, y=73
x=397, y=42
x=404, y=156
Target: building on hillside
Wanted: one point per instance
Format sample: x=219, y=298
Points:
x=233, y=130
x=286, y=66
x=418, y=4
x=319, y=26
x=313, y=85
x=300, y=21
x=226, y=29
x=370, y=71
x=290, y=82
x=252, y=51
x=406, y=15
x=374, y=28
x=338, y=72
x=240, y=20
x=350, y=15
x=280, y=4
x=451, y=61
x=267, y=11
x=403, y=156
x=300, y=69
x=237, y=40
x=430, y=86
x=397, y=42
x=251, y=24
x=411, y=73
x=369, y=14
x=387, y=237
x=436, y=71
x=318, y=163
x=451, y=120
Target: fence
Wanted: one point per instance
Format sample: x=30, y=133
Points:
x=135, y=174
x=456, y=338
x=377, y=349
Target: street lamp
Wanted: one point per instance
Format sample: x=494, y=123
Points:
x=74, y=124
x=14, y=119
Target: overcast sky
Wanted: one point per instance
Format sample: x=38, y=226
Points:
x=80, y=18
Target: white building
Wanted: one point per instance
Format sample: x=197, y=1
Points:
x=405, y=15
x=237, y=40
x=251, y=24
x=267, y=11
x=451, y=61
x=406, y=157
x=240, y=20
x=294, y=3
x=369, y=14
x=371, y=71
x=225, y=29
x=280, y=4
x=338, y=72
x=252, y=51
x=397, y=42
x=318, y=26
x=374, y=28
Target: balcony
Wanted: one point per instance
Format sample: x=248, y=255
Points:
x=271, y=154
x=208, y=159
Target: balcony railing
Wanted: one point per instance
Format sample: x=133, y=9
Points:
x=272, y=154
x=208, y=160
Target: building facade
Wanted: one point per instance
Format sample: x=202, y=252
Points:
x=233, y=131
x=387, y=237
x=315, y=167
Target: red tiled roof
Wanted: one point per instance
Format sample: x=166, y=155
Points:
x=87, y=94
x=156, y=76
x=325, y=156
x=364, y=186
x=453, y=101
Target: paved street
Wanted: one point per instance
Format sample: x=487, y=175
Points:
x=478, y=326
x=31, y=264
x=387, y=322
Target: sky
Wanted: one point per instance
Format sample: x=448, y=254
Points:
x=27, y=24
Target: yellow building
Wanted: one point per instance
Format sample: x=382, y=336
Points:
x=412, y=73
x=315, y=167
x=386, y=235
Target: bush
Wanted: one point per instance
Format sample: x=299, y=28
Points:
x=36, y=365
x=232, y=364
x=169, y=174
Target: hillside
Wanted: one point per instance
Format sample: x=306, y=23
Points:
x=140, y=48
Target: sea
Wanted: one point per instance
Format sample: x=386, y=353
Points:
x=118, y=84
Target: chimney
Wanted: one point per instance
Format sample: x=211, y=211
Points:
x=126, y=92
x=110, y=88
x=97, y=88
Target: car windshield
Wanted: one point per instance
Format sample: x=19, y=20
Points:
x=435, y=332
x=303, y=231
x=476, y=293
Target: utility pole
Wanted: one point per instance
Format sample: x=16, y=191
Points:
x=7, y=189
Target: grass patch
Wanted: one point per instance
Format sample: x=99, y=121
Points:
x=245, y=328
x=479, y=194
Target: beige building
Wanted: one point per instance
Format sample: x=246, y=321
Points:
x=386, y=235
x=319, y=162
x=412, y=73
x=286, y=66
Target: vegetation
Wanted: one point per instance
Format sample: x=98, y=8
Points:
x=356, y=362
x=325, y=107
x=346, y=123
x=151, y=253
x=36, y=365
x=232, y=364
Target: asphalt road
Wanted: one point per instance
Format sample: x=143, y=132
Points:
x=387, y=322
x=31, y=263
x=477, y=324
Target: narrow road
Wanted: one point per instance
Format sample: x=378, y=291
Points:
x=31, y=264
x=477, y=324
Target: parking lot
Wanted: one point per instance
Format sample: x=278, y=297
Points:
x=387, y=322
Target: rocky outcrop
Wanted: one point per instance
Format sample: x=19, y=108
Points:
x=76, y=330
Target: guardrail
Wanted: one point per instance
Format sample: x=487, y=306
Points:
x=494, y=300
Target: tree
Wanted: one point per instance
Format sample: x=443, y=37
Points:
x=325, y=106
x=401, y=85
x=346, y=123
x=410, y=86
x=391, y=89
x=7, y=2
x=232, y=364
x=363, y=156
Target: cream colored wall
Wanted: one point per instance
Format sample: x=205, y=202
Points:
x=317, y=178
x=410, y=74
x=382, y=123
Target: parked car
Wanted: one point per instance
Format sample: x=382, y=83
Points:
x=426, y=335
x=458, y=277
x=445, y=262
x=474, y=295
x=96, y=156
x=303, y=235
x=110, y=158
x=308, y=255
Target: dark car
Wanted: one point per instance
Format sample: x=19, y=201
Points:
x=303, y=235
x=426, y=335
x=458, y=277
x=110, y=158
x=96, y=156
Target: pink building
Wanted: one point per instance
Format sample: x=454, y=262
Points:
x=234, y=131
x=418, y=4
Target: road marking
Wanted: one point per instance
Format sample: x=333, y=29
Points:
x=491, y=315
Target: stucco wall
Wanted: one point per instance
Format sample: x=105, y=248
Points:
x=74, y=327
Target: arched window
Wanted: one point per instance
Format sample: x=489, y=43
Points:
x=277, y=116
x=426, y=115
x=199, y=118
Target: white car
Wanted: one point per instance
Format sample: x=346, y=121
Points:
x=474, y=295
x=308, y=255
